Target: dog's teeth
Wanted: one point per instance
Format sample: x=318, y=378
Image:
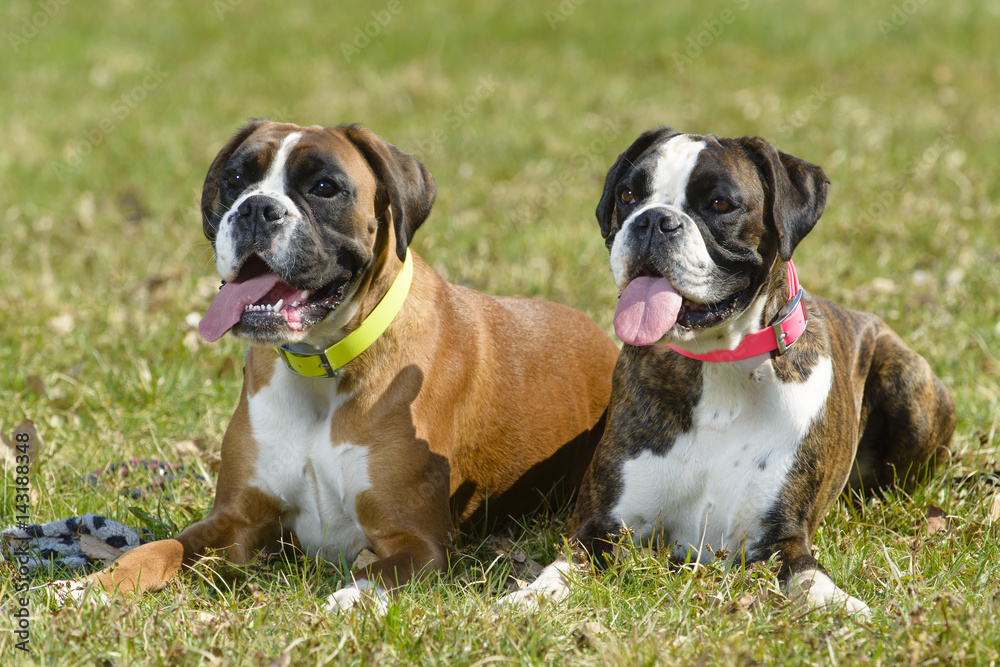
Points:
x=295, y=304
x=278, y=305
x=305, y=295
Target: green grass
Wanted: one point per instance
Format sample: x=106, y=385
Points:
x=103, y=260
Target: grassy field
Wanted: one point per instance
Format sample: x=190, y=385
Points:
x=111, y=110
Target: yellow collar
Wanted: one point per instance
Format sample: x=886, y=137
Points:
x=326, y=363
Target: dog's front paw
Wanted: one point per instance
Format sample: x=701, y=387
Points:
x=552, y=585
x=70, y=591
x=361, y=593
x=529, y=598
x=813, y=588
x=857, y=608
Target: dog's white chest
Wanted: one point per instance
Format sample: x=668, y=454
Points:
x=717, y=483
x=317, y=481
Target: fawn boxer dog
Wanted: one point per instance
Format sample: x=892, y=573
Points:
x=380, y=403
x=762, y=402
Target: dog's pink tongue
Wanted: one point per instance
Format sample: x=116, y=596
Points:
x=227, y=307
x=647, y=308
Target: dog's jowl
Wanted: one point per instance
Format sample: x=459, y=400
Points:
x=741, y=405
x=380, y=403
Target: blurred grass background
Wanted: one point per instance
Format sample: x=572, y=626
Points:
x=111, y=111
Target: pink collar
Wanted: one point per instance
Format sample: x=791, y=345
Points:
x=776, y=338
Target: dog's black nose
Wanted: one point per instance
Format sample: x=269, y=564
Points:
x=260, y=209
x=658, y=220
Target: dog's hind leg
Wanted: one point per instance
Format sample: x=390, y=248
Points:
x=907, y=419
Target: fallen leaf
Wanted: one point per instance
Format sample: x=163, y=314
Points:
x=588, y=632
x=93, y=547
x=501, y=544
x=521, y=564
x=34, y=442
x=188, y=449
x=534, y=567
x=364, y=559
x=36, y=385
x=995, y=507
x=937, y=521
x=514, y=584
x=9, y=453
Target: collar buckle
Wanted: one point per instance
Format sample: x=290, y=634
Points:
x=308, y=364
x=778, y=327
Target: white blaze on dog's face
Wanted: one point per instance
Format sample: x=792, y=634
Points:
x=689, y=222
x=663, y=189
x=302, y=220
x=273, y=188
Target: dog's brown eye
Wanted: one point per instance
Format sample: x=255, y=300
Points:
x=324, y=188
x=627, y=197
x=720, y=205
x=234, y=180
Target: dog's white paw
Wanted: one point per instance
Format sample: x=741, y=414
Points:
x=552, y=585
x=70, y=591
x=361, y=593
x=813, y=588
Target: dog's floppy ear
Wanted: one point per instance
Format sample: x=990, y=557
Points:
x=210, y=192
x=403, y=182
x=796, y=192
x=606, y=207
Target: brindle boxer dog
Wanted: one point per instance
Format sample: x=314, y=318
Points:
x=763, y=401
